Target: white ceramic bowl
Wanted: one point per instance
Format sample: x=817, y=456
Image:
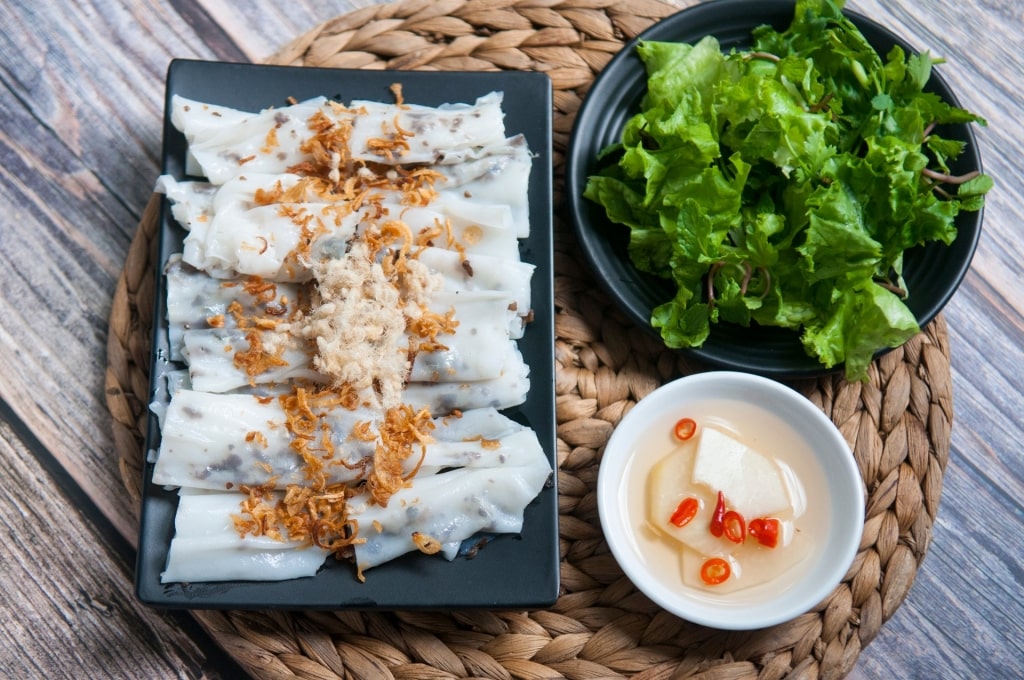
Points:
x=768, y=414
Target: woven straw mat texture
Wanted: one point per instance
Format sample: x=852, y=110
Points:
x=898, y=423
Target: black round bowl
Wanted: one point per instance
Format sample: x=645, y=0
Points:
x=932, y=272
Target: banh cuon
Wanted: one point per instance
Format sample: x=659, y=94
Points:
x=781, y=185
x=346, y=308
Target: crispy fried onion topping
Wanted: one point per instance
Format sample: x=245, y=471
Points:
x=402, y=432
x=316, y=513
x=361, y=306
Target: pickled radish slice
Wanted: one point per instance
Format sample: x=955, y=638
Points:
x=752, y=482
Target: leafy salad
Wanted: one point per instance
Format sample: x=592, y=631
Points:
x=782, y=185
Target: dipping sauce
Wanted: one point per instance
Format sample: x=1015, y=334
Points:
x=769, y=475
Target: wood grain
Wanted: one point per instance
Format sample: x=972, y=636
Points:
x=80, y=153
x=68, y=608
x=81, y=91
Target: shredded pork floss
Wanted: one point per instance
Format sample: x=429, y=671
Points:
x=358, y=325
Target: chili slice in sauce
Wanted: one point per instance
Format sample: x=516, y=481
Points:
x=685, y=428
x=715, y=571
x=765, y=530
x=734, y=526
x=685, y=512
x=717, y=526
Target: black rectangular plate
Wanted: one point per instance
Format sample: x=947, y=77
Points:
x=510, y=572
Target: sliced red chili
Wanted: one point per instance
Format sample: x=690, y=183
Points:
x=685, y=428
x=718, y=517
x=765, y=530
x=734, y=526
x=685, y=512
x=715, y=571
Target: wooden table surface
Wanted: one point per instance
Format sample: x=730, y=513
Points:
x=80, y=126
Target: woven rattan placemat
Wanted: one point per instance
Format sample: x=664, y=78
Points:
x=898, y=424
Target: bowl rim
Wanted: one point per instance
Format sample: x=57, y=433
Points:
x=840, y=472
x=620, y=282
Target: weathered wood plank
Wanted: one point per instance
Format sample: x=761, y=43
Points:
x=68, y=608
x=81, y=100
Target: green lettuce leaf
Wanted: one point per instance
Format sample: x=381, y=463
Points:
x=781, y=186
x=864, y=319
